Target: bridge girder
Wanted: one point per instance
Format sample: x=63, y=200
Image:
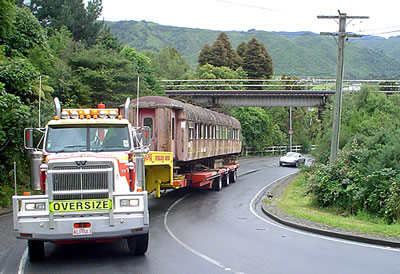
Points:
x=256, y=98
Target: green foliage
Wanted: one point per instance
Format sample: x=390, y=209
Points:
x=80, y=20
x=12, y=123
x=26, y=34
x=257, y=127
x=366, y=176
x=107, y=40
x=168, y=63
x=220, y=54
x=256, y=60
x=7, y=11
x=213, y=72
x=19, y=75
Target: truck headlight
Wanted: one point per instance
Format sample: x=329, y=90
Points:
x=129, y=202
x=40, y=206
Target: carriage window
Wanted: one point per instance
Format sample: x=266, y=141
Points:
x=213, y=133
x=196, y=131
x=217, y=133
x=229, y=133
x=191, y=131
x=148, y=122
x=206, y=132
x=201, y=131
x=173, y=128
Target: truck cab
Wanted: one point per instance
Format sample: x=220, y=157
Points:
x=89, y=166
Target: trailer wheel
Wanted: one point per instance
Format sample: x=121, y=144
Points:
x=35, y=250
x=226, y=180
x=217, y=184
x=138, y=244
x=233, y=176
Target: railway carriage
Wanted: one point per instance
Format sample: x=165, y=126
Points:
x=186, y=139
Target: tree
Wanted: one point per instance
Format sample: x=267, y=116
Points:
x=205, y=55
x=81, y=21
x=241, y=49
x=212, y=72
x=219, y=54
x=26, y=34
x=7, y=11
x=257, y=127
x=168, y=63
x=108, y=40
x=12, y=122
x=19, y=76
x=256, y=60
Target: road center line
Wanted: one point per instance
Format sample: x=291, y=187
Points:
x=257, y=197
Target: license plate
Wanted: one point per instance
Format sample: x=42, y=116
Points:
x=82, y=231
x=81, y=205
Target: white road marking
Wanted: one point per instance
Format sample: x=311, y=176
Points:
x=22, y=263
x=258, y=195
x=195, y=252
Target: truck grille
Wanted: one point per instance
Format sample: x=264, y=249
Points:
x=72, y=182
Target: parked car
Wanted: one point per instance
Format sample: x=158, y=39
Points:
x=292, y=159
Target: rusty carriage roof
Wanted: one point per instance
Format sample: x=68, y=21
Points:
x=193, y=113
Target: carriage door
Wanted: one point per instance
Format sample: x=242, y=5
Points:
x=147, y=117
x=173, y=132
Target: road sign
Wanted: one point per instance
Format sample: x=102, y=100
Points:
x=290, y=132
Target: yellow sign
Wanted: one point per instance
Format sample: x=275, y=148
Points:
x=157, y=158
x=81, y=205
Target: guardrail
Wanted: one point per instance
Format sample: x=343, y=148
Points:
x=307, y=84
x=273, y=150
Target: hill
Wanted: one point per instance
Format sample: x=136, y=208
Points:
x=294, y=54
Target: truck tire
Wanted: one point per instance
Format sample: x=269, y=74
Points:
x=35, y=250
x=217, y=184
x=138, y=244
x=233, y=176
x=226, y=180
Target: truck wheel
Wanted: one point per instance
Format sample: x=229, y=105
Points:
x=138, y=244
x=217, y=184
x=233, y=176
x=35, y=250
x=226, y=180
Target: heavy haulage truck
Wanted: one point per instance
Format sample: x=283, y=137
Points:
x=89, y=165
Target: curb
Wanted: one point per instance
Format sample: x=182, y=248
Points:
x=330, y=233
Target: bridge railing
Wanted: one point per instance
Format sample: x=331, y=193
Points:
x=274, y=150
x=386, y=86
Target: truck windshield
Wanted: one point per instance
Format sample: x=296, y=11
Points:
x=88, y=138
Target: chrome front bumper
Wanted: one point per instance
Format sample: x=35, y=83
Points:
x=47, y=226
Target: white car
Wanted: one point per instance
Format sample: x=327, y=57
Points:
x=292, y=159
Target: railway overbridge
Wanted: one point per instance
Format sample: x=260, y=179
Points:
x=269, y=93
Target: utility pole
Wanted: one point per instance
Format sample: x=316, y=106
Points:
x=337, y=107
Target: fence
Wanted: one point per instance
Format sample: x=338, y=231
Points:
x=273, y=150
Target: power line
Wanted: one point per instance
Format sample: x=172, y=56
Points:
x=386, y=32
x=246, y=5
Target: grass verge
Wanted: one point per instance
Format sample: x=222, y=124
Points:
x=294, y=202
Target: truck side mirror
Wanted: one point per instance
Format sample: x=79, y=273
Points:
x=28, y=138
x=146, y=136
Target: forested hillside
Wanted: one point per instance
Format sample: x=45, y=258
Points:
x=307, y=54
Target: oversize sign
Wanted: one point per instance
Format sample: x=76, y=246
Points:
x=81, y=205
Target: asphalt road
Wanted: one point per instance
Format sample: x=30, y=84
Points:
x=211, y=232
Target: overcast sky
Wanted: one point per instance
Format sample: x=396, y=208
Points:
x=242, y=15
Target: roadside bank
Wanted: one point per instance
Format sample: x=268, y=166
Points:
x=275, y=192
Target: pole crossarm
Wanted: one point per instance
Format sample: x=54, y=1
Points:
x=344, y=34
